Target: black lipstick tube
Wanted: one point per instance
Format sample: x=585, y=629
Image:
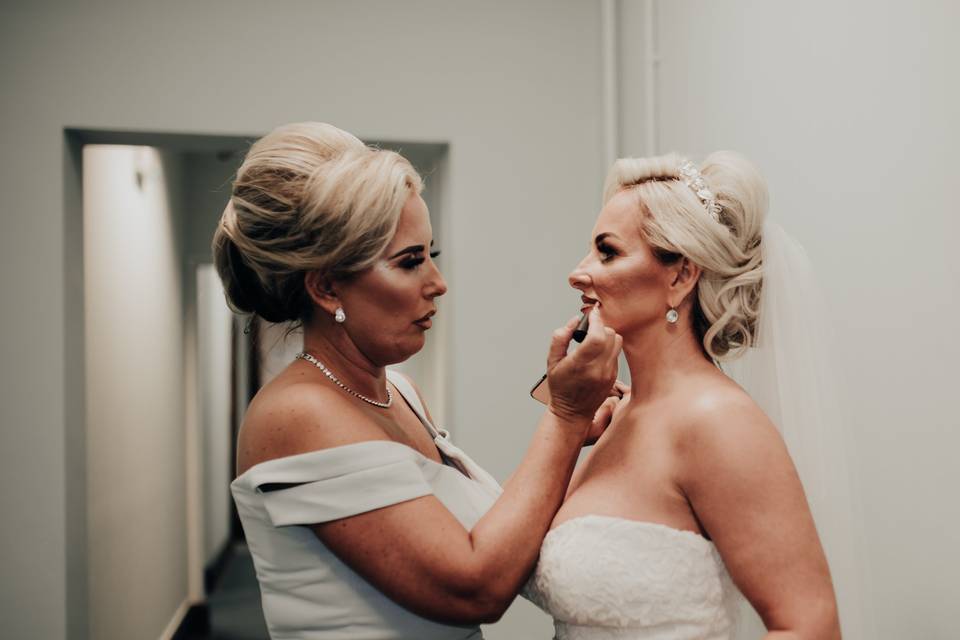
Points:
x=541, y=390
x=580, y=333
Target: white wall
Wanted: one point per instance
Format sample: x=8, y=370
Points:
x=848, y=107
x=512, y=87
x=213, y=352
x=135, y=437
x=851, y=111
x=206, y=188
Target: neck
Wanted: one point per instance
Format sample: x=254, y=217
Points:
x=659, y=357
x=333, y=347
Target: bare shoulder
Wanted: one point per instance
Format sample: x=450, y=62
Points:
x=288, y=417
x=721, y=427
x=745, y=492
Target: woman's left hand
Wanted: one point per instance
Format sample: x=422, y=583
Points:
x=604, y=415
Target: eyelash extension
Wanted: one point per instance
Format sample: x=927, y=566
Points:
x=413, y=263
x=606, y=251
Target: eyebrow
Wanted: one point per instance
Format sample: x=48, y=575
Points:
x=603, y=236
x=415, y=248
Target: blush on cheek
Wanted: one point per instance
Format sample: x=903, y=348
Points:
x=629, y=297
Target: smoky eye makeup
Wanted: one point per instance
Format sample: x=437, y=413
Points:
x=606, y=251
x=415, y=259
x=602, y=245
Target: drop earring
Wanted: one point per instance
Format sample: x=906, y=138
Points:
x=672, y=316
x=339, y=315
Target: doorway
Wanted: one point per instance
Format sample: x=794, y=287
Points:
x=167, y=372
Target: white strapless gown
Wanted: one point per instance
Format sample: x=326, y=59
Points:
x=607, y=578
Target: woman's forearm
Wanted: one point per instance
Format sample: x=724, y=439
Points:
x=506, y=541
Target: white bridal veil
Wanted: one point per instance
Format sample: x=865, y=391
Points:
x=789, y=374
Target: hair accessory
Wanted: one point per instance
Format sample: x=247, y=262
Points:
x=673, y=315
x=692, y=177
x=303, y=355
x=339, y=315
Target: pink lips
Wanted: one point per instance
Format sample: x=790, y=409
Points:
x=425, y=321
x=588, y=303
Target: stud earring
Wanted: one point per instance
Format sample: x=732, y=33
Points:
x=339, y=315
x=672, y=316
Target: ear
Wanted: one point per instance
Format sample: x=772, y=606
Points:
x=322, y=291
x=686, y=274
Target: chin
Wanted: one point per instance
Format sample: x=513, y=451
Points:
x=418, y=344
x=402, y=352
x=614, y=323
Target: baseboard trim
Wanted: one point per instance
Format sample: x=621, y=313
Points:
x=213, y=571
x=189, y=621
x=195, y=622
x=175, y=621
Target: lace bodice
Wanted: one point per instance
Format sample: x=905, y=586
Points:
x=605, y=578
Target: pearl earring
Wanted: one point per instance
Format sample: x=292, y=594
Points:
x=672, y=316
x=339, y=315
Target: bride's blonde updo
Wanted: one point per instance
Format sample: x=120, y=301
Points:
x=307, y=197
x=676, y=223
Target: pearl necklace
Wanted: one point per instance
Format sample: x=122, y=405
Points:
x=303, y=355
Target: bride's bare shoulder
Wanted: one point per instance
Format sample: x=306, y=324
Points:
x=720, y=419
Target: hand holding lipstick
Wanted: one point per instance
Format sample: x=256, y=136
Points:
x=581, y=381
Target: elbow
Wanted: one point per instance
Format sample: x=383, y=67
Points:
x=473, y=609
x=820, y=620
x=485, y=609
x=829, y=619
x=483, y=599
x=492, y=609
x=823, y=623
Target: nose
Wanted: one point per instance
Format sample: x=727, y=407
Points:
x=579, y=278
x=436, y=285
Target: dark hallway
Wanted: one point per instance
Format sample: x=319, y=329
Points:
x=234, y=605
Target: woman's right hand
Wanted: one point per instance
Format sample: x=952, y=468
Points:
x=415, y=551
x=581, y=381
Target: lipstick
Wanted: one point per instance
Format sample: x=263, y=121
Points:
x=541, y=390
x=580, y=333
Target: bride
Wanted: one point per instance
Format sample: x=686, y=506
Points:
x=690, y=497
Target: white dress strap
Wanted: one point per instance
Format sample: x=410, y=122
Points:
x=329, y=484
x=441, y=437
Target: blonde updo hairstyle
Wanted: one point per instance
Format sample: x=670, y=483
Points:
x=307, y=197
x=676, y=223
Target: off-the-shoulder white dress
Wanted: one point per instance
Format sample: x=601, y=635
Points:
x=307, y=592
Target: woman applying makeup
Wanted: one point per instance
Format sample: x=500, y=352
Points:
x=362, y=518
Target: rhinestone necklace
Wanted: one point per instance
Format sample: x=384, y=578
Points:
x=303, y=355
